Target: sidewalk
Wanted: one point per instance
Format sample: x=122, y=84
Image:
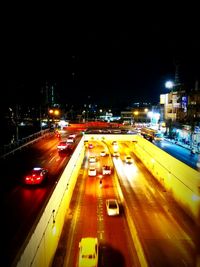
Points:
x=197, y=150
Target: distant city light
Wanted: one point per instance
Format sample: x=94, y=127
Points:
x=56, y=112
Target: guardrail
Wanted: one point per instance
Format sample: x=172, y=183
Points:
x=11, y=148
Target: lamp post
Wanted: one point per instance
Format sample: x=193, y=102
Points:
x=170, y=85
x=146, y=112
x=54, y=113
x=135, y=115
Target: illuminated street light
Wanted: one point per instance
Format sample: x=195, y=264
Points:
x=154, y=117
x=135, y=115
x=53, y=115
x=56, y=112
x=169, y=85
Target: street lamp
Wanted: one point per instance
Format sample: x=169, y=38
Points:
x=54, y=113
x=135, y=115
x=169, y=85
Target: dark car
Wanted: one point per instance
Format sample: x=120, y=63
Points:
x=36, y=176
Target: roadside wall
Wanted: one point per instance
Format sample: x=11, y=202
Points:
x=178, y=178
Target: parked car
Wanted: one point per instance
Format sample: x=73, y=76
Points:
x=112, y=207
x=88, y=252
x=36, y=176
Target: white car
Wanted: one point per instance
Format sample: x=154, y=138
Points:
x=106, y=170
x=72, y=135
x=103, y=153
x=88, y=252
x=92, y=159
x=115, y=154
x=128, y=159
x=70, y=140
x=115, y=145
x=92, y=171
x=112, y=207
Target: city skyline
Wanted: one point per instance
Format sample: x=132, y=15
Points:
x=115, y=65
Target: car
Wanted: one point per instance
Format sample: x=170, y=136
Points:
x=72, y=135
x=112, y=207
x=57, y=134
x=115, y=145
x=92, y=159
x=88, y=252
x=62, y=145
x=70, y=140
x=115, y=154
x=106, y=170
x=92, y=171
x=103, y=153
x=128, y=159
x=90, y=145
x=36, y=176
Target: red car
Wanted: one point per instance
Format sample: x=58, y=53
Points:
x=90, y=146
x=62, y=145
x=36, y=176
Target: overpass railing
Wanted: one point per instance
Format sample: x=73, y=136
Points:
x=11, y=148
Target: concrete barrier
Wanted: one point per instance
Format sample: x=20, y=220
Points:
x=175, y=176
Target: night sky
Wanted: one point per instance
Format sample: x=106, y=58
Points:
x=115, y=60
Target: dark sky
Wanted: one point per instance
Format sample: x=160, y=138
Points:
x=122, y=58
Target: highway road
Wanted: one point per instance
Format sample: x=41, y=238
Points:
x=87, y=217
x=20, y=204
x=167, y=235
